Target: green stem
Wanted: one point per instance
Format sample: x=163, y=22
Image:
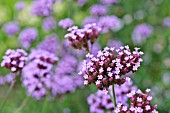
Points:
x=114, y=96
x=7, y=95
x=44, y=104
x=22, y=105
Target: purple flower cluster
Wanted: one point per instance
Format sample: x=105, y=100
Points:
x=6, y=79
x=66, y=23
x=89, y=20
x=65, y=79
x=109, y=23
x=51, y=40
x=139, y=103
x=37, y=74
x=114, y=43
x=27, y=36
x=14, y=60
x=101, y=102
x=141, y=32
x=98, y=10
x=109, y=2
x=42, y=7
x=166, y=22
x=20, y=5
x=110, y=66
x=49, y=23
x=79, y=37
x=81, y=2
x=11, y=28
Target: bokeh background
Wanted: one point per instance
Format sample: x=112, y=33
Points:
x=154, y=72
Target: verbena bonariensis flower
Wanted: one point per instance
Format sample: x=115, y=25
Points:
x=66, y=23
x=11, y=28
x=110, y=66
x=49, y=23
x=42, y=7
x=6, y=79
x=108, y=23
x=20, y=5
x=50, y=44
x=114, y=43
x=14, y=60
x=102, y=103
x=79, y=38
x=89, y=20
x=37, y=74
x=166, y=22
x=98, y=10
x=81, y=2
x=109, y=2
x=65, y=79
x=139, y=103
x=27, y=36
x=141, y=32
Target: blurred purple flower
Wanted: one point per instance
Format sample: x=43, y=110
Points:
x=66, y=79
x=50, y=44
x=100, y=102
x=98, y=10
x=114, y=43
x=81, y=2
x=109, y=23
x=27, y=36
x=20, y=5
x=166, y=22
x=6, y=79
x=37, y=75
x=141, y=32
x=49, y=23
x=109, y=2
x=66, y=23
x=89, y=20
x=11, y=28
x=42, y=7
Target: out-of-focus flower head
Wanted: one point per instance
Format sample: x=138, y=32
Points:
x=66, y=23
x=20, y=5
x=114, y=43
x=141, y=32
x=110, y=66
x=89, y=20
x=37, y=75
x=166, y=22
x=27, y=36
x=11, y=28
x=79, y=37
x=109, y=23
x=42, y=7
x=109, y=2
x=139, y=103
x=49, y=23
x=98, y=10
x=14, y=60
x=7, y=79
x=50, y=44
x=102, y=102
x=81, y=2
x=66, y=79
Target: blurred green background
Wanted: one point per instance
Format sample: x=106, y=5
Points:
x=151, y=74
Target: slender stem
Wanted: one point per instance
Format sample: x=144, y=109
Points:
x=44, y=104
x=114, y=96
x=22, y=105
x=7, y=95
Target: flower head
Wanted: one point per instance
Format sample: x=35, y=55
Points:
x=65, y=23
x=139, y=103
x=11, y=28
x=49, y=23
x=112, y=65
x=79, y=37
x=14, y=60
x=98, y=10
